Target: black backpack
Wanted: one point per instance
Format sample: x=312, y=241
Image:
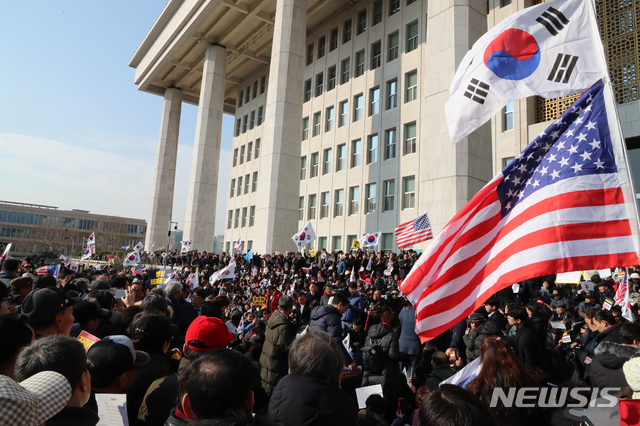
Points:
x=372, y=358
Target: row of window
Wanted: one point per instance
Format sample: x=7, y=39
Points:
x=247, y=184
x=360, y=59
x=249, y=246
x=387, y=241
x=353, y=207
x=361, y=27
x=69, y=222
x=235, y=223
x=248, y=148
x=371, y=155
x=391, y=101
x=248, y=92
x=248, y=122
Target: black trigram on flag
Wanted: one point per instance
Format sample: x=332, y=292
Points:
x=553, y=20
x=563, y=68
x=477, y=91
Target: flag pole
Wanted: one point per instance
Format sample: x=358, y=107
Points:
x=610, y=100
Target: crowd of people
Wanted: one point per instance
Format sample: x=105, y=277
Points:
x=289, y=338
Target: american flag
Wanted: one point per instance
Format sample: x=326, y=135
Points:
x=558, y=207
x=413, y=232
x=622, y=289
x=139, y=270
x=125, y=248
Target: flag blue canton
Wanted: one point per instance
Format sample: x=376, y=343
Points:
x=576, y=144
x=421, y=223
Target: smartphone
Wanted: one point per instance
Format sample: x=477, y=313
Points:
x=452, y=357
x=120, y=294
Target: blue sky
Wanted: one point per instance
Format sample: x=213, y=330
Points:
x=74, y=130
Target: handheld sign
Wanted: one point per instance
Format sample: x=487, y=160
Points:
x=87, y=340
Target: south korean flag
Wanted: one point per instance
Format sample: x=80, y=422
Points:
x=304, y=236
x=552, y=49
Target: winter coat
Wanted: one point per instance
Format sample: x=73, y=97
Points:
x=327, y=318
x=356, y=308
x=409, y=342
x=605, y=369
x=390, y=377
x=474, y=339
x=302, y=401
x=583, y=307
x=611, y=334
x=528, y=348
x=439, y=374
x=275, y=351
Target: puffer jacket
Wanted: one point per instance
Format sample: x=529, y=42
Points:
x=390, y=377
x=474, y=339
x=275, y=352
x=605, y=370
x=327, y=318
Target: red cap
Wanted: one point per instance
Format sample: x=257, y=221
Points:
x=213, y=332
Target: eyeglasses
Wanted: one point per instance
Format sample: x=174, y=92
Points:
x=8, y=300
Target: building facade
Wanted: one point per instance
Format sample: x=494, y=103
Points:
x=34, y=228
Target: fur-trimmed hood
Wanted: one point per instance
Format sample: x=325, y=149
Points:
x=613, y=355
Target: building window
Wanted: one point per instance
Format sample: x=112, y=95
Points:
x=324, y=205
x=507, y=117
x=344, y=77
x=244, y=217
x=233, y=188
x=329, y=117
x=370, y=193
x=377, y=12
x=338, y=203
x=354, y=200
x=389, y=187
x=240, y=98
x=372, y=149
x=344, y=113
x=252, y=215
x=238, y=126
x=507, y=161
x=247, y=183
x=255, y=89
x=303, y=167
x=260, y=115
x=332, y=78
x=412, y=37
x=376, y=55
x=305, y=128
x=228, y=244
x=355, y=153
x=333, y=41
x=252, y=121
x=321, y=46
x=358, y=103
x=314, y=164
x=410, y=138
x=504, y=3
x=392, y=94
x=248, y=95
x=263, y=84
x=257, y=148
x=362, y=22
x=249, y=149
x=310, y=54
x=336, y=243
x=301, y=208
x=341, y=157
x=235, y=157
x=237, y=221
x=359, y=63
x=393, y=46
x=307, y=90
x=390, y=144
x=387, y=239
x=316, y=123
x=409, y=192
x=412, y=86
x=245, y=121
x=230, y=220
x=394, y=7
x=254, y=185
x=242, y=148
x=239, y=192
x=312, y=207
x=322, y=243
x=346, y=33
x=319, y=84
x=326, y=161
x=374, y=101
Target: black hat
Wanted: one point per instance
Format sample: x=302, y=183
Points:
x=560, y=305
x=42, y=305
x=88, y=309
x=589, y=295
x=476, y=316
x=99, y=285
x=112, y=356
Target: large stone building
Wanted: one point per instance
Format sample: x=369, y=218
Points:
x=339, y=112
x=34, y=228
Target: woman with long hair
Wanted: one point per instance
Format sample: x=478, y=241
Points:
x=502, y=370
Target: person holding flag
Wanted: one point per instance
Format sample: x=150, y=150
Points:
x=304, y=236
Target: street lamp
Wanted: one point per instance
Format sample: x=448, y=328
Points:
x=175, y=227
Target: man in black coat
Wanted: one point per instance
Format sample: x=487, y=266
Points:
x=528, y=347
x=493, y=314
x=605, y=369
x=190, y=311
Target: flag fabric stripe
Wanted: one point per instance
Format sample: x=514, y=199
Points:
x=560, y=206
x=413, y=232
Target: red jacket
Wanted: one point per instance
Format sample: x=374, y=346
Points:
x=271, y=303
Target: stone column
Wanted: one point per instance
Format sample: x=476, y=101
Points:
x=165, y=171
x=279, y=183
x=203, y=183
x=450, y=174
